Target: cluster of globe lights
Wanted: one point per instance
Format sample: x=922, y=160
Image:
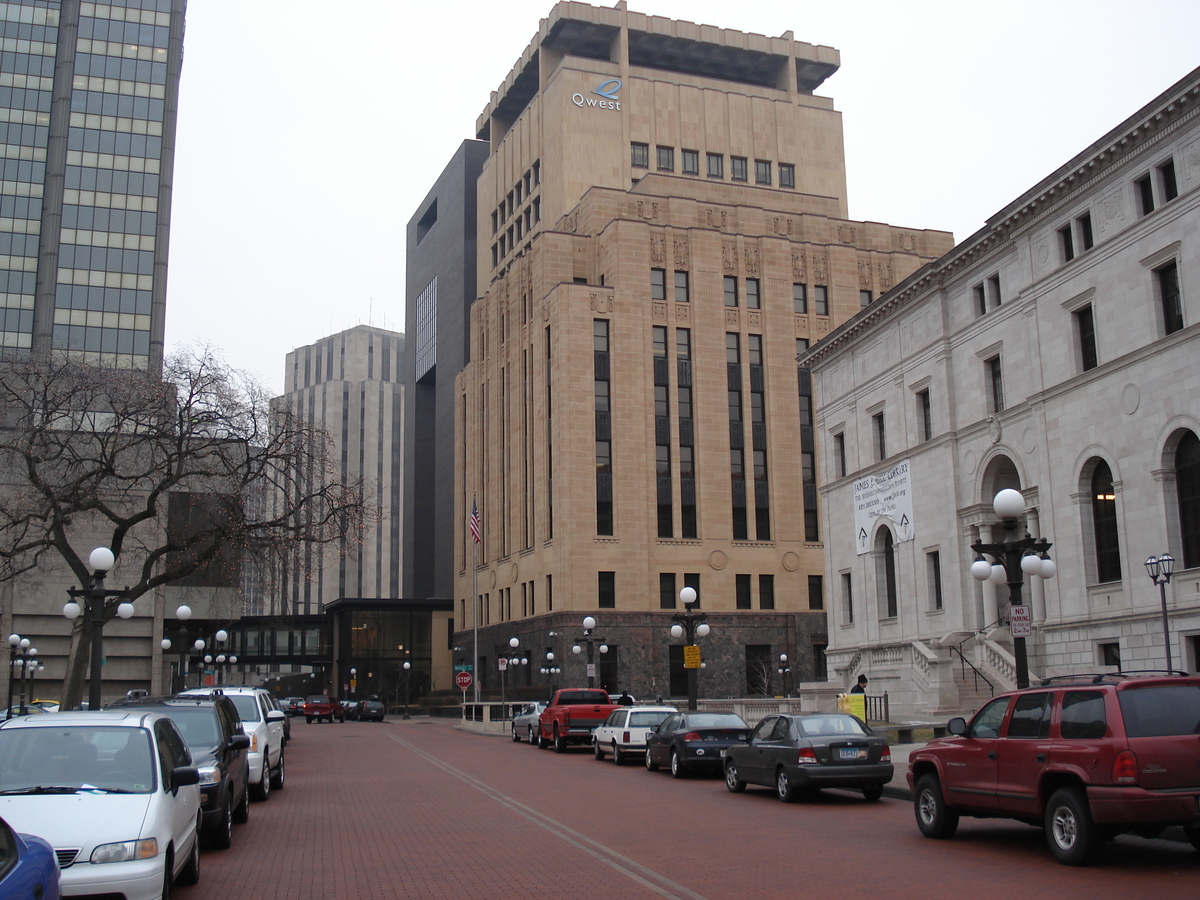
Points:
x=1010, y=504
x=688, y=596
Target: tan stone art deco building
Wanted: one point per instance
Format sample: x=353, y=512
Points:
x=662, y=227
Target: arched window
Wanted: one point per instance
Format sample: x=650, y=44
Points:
x=1104, y=523
x=1187, y=483
x=885, y=580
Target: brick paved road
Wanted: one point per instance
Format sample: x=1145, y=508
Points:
x=420, y=809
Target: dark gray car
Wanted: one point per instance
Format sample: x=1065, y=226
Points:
x=804, y=753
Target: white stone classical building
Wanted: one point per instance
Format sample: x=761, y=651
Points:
x=1056, y=351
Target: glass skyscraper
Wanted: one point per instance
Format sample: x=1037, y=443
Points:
x=88, y=99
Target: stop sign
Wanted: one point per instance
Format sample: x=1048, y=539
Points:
x=463, y=680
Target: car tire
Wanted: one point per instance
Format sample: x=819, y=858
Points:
x=872, y=792
x=784, y=789
x=596, y=751
x=560, y=742
x=241, y=812
x=262, y=790
x=618, y=756
x=221, y=835
x=733, y=780
x=277, y=778
x=542, y=743
x=532, y=737
x=168, y=876
x=651, y=765
x=1073, y=837
x=308, y=719
x=934, y=817
x=516, y=736
x=678, y=769
x=190, y=873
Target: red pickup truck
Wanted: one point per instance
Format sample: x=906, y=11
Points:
x=572, y=716
x=320, y=706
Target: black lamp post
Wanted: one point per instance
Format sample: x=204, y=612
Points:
x=101, y=560
x=1014, y=559
x=786, y=672
x=589, y=624
x=18, y=647
x=1160, y=569
x=407, y=668
x=690, y=627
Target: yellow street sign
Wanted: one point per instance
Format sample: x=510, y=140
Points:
x=691, y=656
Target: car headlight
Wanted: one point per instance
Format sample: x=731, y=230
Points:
x=124, y=851
x=209, y=775
x=254, y=743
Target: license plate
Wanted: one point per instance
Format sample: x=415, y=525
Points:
x=851, y=753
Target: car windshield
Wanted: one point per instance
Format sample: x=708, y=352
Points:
x=198, y=725
x=646, y=719
x=713, y=720
x=247, y=706
x=817, y=726
x=1161, y=710
x=69, y=759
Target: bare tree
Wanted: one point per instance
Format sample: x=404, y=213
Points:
x=184, y=477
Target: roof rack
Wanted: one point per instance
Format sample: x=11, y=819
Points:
x=1101, y=677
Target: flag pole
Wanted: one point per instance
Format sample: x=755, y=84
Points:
x=475, y=600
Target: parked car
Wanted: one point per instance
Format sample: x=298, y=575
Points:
x=623, y=733
x=350, y=708
x=525, y=723
x=30, y=710
x=113, y=792
x=371, y=711
x=1087, y=757
x=220, y=750
x=28, y=867
x=263, y=724
x=320, y=706
x=688, y=741
x=287, y=723
x=291, y=706
x=47, y=705
x=803, y=753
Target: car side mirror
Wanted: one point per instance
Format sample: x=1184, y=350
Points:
x=239, y=742
x=184, y=775
x=957, y=725
x=276, y=715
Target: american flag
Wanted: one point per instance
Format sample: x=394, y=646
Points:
x=476, y=524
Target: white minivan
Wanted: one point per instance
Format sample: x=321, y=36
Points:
x=262, y=722
x=114, y=793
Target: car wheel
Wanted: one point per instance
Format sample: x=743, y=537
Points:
x=516, y=736
x=277, y=778
x=241, y=812
x=872, y=792
x=651, y=765
x=596, y=751
x=934, y=817
x=732, y=780
x=168, y=876
x=262, y=790
x=678, y=769
x=784, y=789
x=221, y=836
x=308, y=719
x=542, y=743
x=533, y=741
x=1073, y=838
x=560, y=742
x=191, y=871
x=618, y=756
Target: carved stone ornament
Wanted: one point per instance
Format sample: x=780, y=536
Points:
x=658, y=250
x=884, y=277
x=751, y=255
x=820, y=265
x=572, y=222
x=683, y=253
x=717, y=218
x=601, y=302
x=847, y=234
x=683, y=312
x=729, y=257
x=658, y=310
x=864, y=274
x=799, y=266
x=647, y=209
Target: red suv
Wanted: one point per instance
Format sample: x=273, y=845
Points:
x=1088, y=757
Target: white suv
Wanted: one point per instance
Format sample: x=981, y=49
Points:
x=114, y=793
x=263, y=724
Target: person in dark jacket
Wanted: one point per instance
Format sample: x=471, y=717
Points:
x=861, y=687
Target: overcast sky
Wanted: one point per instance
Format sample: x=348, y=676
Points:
x=309, y=130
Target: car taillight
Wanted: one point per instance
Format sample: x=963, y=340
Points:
x=887, y=755
x=692, y=736
x=807, y=756
x=625, y=736
x=1124, y=770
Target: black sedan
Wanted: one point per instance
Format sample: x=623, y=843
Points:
x=370, y=711
x=804, y=753
x=688, y=741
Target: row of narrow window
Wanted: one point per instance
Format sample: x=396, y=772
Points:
x=746, y=292
x=714, y=165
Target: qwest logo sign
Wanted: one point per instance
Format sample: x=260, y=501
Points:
x=607, y=92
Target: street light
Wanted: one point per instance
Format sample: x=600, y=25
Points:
x=786, y=671
x=589, y=624
x=101, y=560
x=353, y=681
x=407, y=666
x=1014, y=558
x=1160, y=569
x=690, y=627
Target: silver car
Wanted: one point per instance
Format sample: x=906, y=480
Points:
x=525, y=723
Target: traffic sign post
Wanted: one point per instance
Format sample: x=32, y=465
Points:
x=1020, y=621
x=691, y=656
x=463, y=680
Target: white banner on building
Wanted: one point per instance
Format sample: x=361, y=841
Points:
x=887, y=495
